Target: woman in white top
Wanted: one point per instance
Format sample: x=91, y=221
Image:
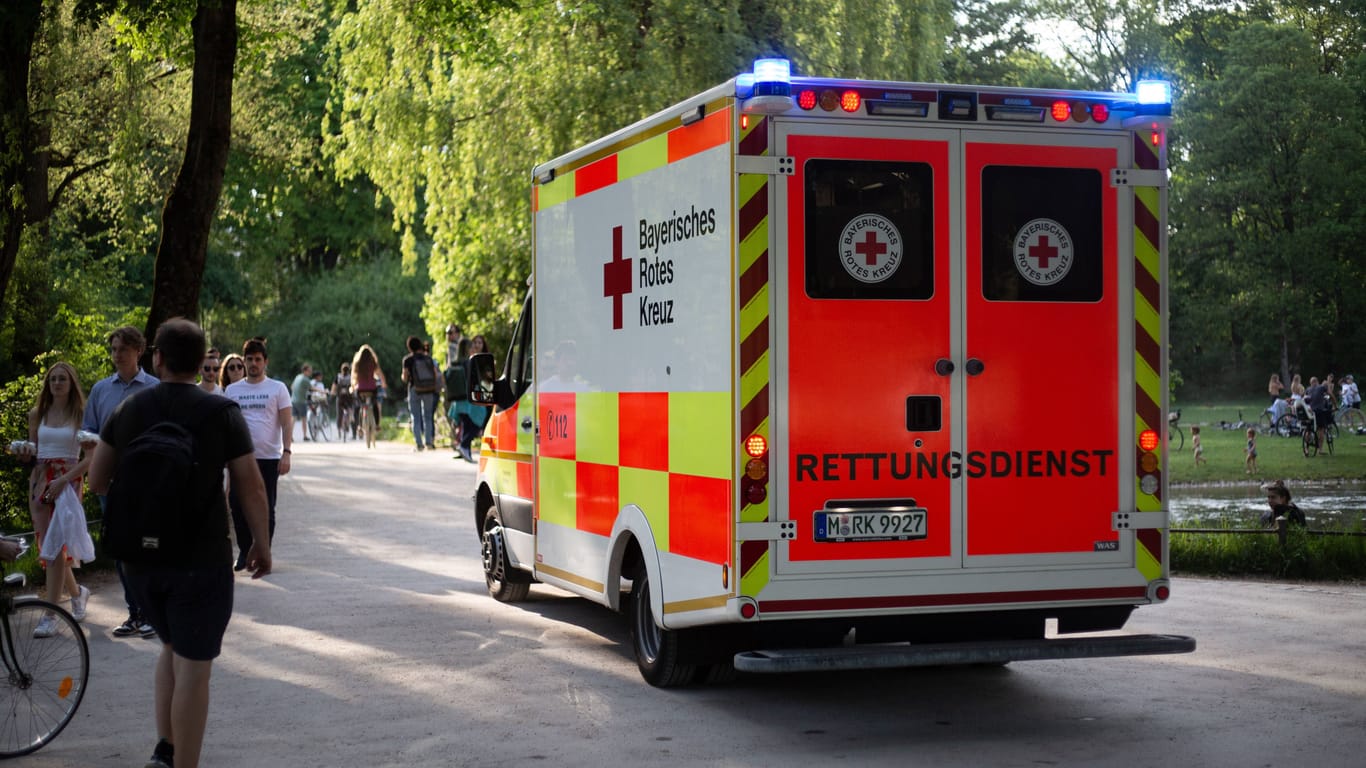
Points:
x=52, y=425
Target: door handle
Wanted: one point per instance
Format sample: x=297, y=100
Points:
x=974, y=366
x=943, y=366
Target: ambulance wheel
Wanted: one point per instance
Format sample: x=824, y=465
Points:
x=657, y=649
x=504, y=582
x=717, y=674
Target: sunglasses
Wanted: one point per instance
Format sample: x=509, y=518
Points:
x=236, y=367
x=210, y=369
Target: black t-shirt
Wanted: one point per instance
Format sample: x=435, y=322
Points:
x=220, y=438
x=1317, y=397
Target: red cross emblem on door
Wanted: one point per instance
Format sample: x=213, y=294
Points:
x=616, y=278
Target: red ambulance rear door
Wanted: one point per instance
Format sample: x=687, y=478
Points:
x=864, y=430
x=1042, y=345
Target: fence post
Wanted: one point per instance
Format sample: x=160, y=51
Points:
x=1282, y=526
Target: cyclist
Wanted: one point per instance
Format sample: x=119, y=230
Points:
x=367, y=378
x=346, y=401
x=1320, y=402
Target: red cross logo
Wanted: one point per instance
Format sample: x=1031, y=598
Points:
x=1043, y=252
x=871, y=248
x=616, y=278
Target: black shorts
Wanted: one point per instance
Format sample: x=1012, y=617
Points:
x=188, y=607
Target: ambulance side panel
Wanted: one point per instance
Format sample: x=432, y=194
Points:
x=633, y=366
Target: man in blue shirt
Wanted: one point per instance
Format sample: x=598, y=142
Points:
x=125, y=347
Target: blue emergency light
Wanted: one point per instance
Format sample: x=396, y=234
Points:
x=768, y=89
x=1154, y=92
x=772, y=77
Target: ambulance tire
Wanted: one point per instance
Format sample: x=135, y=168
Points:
x=657, y=649
x=717, y=674
x=506, y=584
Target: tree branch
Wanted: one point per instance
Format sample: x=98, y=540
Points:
x=72, y=177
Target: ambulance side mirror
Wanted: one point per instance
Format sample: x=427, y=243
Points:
x=485, y=386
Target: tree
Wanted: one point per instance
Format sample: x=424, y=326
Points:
x=19, y=23
x=1263, y=236
x=188, y=213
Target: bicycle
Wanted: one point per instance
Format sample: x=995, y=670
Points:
x=1176, y=437
x=345, y=415
x=46, y=676
x=318, y=417
x=367, y=417
x=1351, y=419
x=1310, y=444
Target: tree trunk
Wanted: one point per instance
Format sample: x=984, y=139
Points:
x=188, y=214
x=19, y=21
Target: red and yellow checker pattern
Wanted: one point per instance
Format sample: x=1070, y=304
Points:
x=665, y=452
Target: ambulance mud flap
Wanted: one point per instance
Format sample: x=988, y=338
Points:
x=893, y=656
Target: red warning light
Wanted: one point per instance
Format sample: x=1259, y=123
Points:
x=756, y=446
x=850, y=101
x=1100, y=113
x=1061, y=110
x=1148, y=439
x=807, y=100
x=1164, y=592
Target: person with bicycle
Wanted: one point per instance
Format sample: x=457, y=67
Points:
x=187, y=595
x=346, y=402
x=1320, y=402
x=367, y=379
x=298, y=397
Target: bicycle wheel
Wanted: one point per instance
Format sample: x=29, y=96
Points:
x=47, y=676
x=1176, y=438
x=1265, y=424
x=1353, y=421
x=1309, y=442
x=368, y=425
x=1287, y=426
x=319, y=425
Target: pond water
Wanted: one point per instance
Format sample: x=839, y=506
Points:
x=1331, y=507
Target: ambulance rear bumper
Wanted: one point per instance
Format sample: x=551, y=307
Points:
x=897, y=655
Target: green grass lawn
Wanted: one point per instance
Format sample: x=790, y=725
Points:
x=1277, y=457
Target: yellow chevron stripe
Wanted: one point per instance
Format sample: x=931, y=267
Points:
x=757, y=577
x=1147, y=316
x=1145, y=561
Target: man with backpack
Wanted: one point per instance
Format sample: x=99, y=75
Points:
x=160, y=460
x=420, y=374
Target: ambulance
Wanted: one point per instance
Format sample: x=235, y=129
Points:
x=833, y=374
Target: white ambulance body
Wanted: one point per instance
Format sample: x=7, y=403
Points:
x=832, y=373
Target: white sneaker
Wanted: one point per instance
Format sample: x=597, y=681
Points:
x=47, y=627
x=78, y=603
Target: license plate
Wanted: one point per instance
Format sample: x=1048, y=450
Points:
x=892, y=524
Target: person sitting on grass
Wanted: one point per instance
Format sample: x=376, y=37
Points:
x=1279, y=505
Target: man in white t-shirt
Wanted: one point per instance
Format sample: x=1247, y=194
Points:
x=266, y=406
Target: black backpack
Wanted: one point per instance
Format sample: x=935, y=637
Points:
x=155, y=508
x=424, y=373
